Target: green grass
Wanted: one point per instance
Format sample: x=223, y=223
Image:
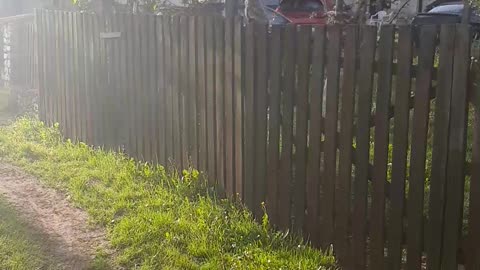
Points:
x=20, y=248
x=155, y=219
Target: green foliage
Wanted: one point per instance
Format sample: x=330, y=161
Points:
x=156, y=219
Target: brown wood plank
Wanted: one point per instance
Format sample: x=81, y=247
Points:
x=50, y=90
x=317, y=84
x=81, y=73
x=50, y=68
x=201, y=93
x=144, y=91
x=364, y=105
x=54, y=67
x=440, y=147
x=114, y=95
x=210, y=95
x=176, y=114
x=152, y=91
x=382, y=131
x=220, y=102
x=286, y=173
x=60, y=70
x=273, y=157
x=40, y=41
x=261, y=88
x=76, y=79
x=301, y=100
x=418, y=146
x=331, y=120
x=95, y=66
x=161, y=93
x=400, y=147
x=249, y=116
x=107, y=86
x=138, y=97
x=344, y=178
x=229, y=122
x=169, y=143
x=192, y=91
x=87, y=41
x=130, y=36
x=238, y=105
x=184, y=95
x=456, y=150
x=473, y=254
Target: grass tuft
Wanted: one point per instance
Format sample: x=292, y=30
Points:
x=155, y=219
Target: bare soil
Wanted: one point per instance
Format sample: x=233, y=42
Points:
x=69, y=238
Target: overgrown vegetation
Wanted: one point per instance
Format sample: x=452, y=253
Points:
x=155, y=219
x=20, y=248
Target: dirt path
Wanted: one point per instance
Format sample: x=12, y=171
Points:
x=68, y=237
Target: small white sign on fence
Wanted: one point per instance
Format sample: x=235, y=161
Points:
x=110, y=35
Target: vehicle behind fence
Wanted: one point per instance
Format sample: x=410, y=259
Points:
x=364, y=139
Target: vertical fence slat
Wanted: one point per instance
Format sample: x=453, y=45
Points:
x=249, y=115
x=260, y=119
x=73, y=77
x=192, y=91
x=61, y=70
x=382, y=131
x=201, y=83
x=238, y=104
x=301, y=99
x=286, y=128
x=317, y=81
x=160, y=99
x=440, y=146
x=130, y=95
x=82, y=76
x=176, y=91
x=274, y=122
x=210, y=95
x=331, y=120
x=87, y=41
x=40, y=36
x=400, y=147
x=344, y=179
x=184, y=95
x=367, y=47
x=152, y=91
x=77, y=135
x=418, y=152
x=169, y=143
x=146, y=87
x=456, y=150
x=228, y=103
x=220, y=102
x=137, y=90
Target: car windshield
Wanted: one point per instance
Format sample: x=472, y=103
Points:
x=448, y=9
x=303, y=6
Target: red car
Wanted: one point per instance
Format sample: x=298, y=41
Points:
x=306, y=11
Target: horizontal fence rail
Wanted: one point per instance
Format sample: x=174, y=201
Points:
x=350, y=135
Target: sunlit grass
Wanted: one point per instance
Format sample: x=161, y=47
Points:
x=155, y=219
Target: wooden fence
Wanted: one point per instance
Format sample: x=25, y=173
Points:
x=351, y=136
x=18, y=53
